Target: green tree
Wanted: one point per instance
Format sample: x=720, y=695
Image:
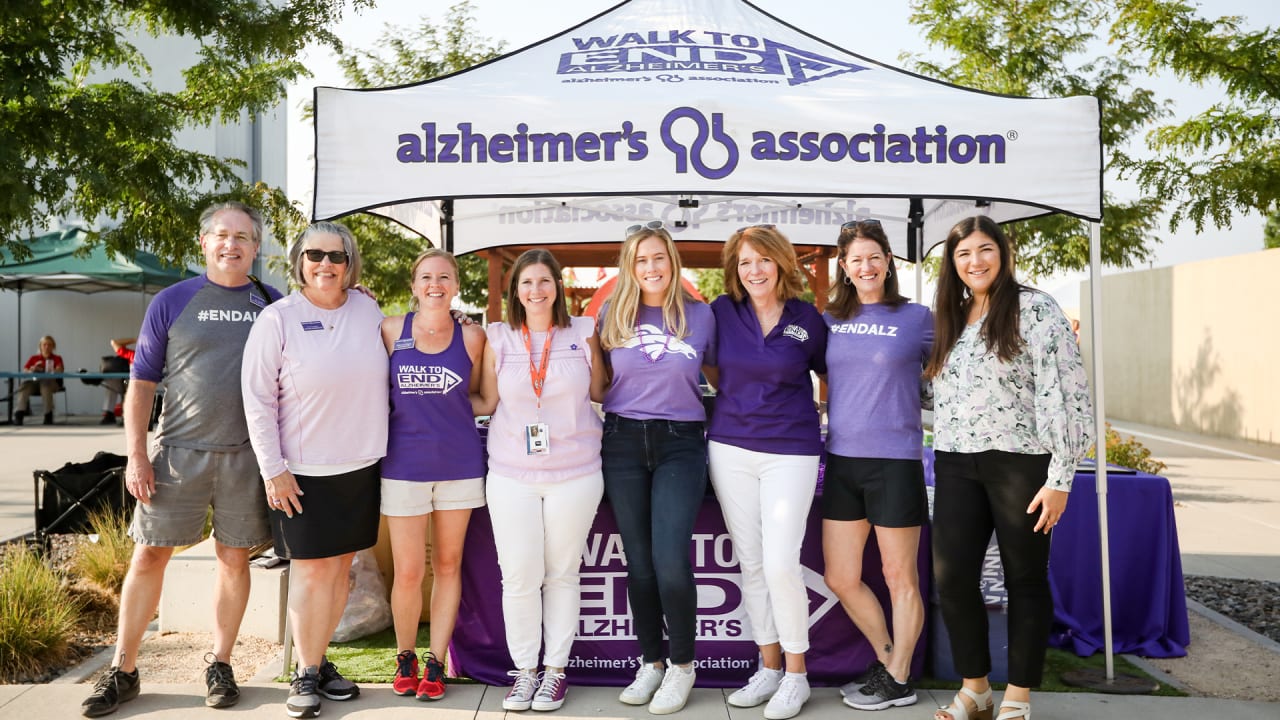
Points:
x=1271, y=233
x=1038, y=49
x=1225, y=159
x=77, y=143
x=402, y=56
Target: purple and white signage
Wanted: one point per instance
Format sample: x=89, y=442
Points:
x=604, y=652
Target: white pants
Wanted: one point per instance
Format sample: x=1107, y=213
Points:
x=540, y=530
x=765, y=499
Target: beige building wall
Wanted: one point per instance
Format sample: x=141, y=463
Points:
x=1193, y=347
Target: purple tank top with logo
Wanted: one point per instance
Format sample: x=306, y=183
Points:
x=432, y=434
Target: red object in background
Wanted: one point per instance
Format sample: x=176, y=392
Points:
x=606, y=289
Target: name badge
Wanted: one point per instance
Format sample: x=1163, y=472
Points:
x=403, y=344
x=254, y=299
x=537, y=439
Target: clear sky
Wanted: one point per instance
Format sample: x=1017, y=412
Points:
x=878, y=29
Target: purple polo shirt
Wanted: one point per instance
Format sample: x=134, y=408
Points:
x=765, y=398
x=655, y=374
x=875, y=361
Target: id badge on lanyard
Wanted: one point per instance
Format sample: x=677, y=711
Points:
x=537, y=436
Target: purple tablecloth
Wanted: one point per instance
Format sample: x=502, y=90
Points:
x=1148, y=600
x=605, y=649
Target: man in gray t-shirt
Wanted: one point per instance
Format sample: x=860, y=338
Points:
x=193, y=338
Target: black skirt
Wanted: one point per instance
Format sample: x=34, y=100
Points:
x=339, y=515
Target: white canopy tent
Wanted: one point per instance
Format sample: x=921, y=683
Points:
x=709, y=115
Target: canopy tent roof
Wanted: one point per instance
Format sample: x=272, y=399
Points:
x=709, y=115
x=59, y=262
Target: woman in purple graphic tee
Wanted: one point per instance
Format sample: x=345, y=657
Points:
x=655, y=339
x=874, y=481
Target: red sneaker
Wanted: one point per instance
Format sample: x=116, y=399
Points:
x=406, y=682
x=432, y=685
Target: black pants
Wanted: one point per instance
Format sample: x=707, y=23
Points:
x=976, y=493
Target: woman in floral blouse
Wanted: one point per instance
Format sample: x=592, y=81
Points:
x=1012, y=418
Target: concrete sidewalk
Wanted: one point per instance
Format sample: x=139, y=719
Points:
x=47, y=702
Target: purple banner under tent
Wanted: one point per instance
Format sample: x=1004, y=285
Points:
x=604, y=653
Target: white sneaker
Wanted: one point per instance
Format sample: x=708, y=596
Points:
x=759, y=688
x=674, y=693
x=641, y=690
x=792, y=694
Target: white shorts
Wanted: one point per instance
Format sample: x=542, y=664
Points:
x=407, y=498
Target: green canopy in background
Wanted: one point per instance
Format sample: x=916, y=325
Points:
x=55, y=265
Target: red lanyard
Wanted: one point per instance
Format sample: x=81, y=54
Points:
x=538, y=375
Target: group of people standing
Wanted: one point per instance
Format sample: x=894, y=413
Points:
x=351, y=415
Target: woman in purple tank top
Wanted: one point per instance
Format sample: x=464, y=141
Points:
x=434, y=464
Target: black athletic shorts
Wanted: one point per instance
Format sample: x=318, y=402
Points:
x=887, y=493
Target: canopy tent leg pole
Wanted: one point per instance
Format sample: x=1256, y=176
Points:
x=915, y=243
x=1100, y=433
x=1089, y=677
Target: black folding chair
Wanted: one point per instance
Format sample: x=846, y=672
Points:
x=67, y=496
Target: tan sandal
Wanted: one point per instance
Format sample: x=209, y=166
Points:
x=1020, y=710
x=957, y=710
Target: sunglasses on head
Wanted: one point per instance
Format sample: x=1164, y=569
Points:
x=765, y=226
x=865, y=222
x=337, y=257
x=651, y=225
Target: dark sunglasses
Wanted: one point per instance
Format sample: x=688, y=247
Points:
x=337, y=257
x=651, y=225
x=865, y=222
x=765, y=226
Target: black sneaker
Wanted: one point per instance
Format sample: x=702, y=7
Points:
x=19, y=416
x=48, y=418
x=221, y=681
x=304, y=695
x=860, y=680
x=333, y=685
x=114, y=687
x=882, y=692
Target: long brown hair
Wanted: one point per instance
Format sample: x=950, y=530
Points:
x=529, y=258
x=844, y=296
x=951, y=303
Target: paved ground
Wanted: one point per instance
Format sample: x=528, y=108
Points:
x=1228, y=512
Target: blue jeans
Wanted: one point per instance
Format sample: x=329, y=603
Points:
x=655, y=474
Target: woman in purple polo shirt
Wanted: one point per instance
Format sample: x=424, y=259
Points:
x=764, y=444
x=874, y=477
x=434, y=465
x=654, y=453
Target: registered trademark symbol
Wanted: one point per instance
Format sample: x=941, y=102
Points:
x=1012, y=135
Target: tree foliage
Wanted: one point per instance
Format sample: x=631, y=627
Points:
x=87, y=132
x=1037, y=48
x=402, y=56
x=1225, y=159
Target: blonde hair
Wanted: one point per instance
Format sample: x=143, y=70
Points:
x=427, y=255
x=620, y=318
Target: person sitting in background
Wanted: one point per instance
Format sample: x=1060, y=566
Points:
x=113, y=388
x=44, y=361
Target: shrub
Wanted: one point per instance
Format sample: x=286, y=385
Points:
x=1129, y=452
x=37, y=614
x=103, y=556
